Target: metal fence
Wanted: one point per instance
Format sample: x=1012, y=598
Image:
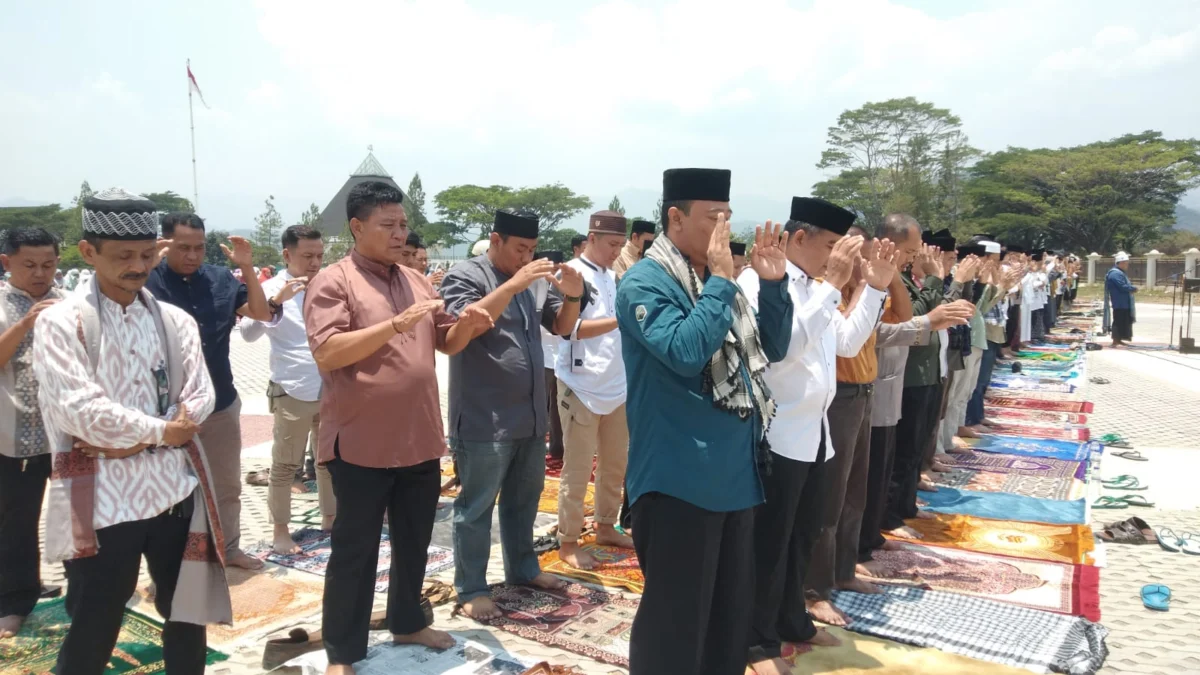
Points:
x=1164, y=270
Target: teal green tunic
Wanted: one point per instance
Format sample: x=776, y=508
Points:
x=680, y=443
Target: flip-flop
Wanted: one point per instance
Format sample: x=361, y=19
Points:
x=1156, y=597
x=1115, y=441
x=1189, y=544
x=1131, y=455
x=1135, y=500
x=1169, y=540
x=1098, y=380
x=1123, y=483
x=1109, y=503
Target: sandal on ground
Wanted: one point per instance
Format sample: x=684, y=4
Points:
x=1189, y=544
x=1098, y=380
x=259, y=478
x=1123, y=483
x=1135, y=500
x=1131, y=531
x=1156, y=597
x=1131, y=455
x=1115, y=441
x=1109, y=503
x=300, y=641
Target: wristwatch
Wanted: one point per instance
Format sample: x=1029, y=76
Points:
x=275, y=307
x=572, y=298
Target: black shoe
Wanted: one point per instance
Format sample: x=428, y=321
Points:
x=50, y=592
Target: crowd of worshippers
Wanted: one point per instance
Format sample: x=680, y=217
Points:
x=756, y=419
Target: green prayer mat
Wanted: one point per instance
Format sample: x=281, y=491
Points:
x=34, y=650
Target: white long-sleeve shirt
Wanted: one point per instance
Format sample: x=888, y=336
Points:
x=119, y=407
x=292, y=363
x=593, y=367
x=805, y=381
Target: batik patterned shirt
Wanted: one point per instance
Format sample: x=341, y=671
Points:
x=21, y=432
x=122, y=404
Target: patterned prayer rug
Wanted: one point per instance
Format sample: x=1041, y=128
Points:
x=314, y=556
x=861, y=654
x=548, y=502
x=466, y=657
x=1036, y=541
x=1037, y=584
x=1034, y=429
x=1044, y=487
x=579, y=619
x=1039, y=401
x=1019, y=386
x=1001, y=506
x=260, y=598
x=1000, y=414
x=1016, y=465
x=34, y=650
x=1043, y=642
x=618, y=567
x=1035, y=447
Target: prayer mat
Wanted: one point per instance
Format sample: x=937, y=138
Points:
x=34, y=650
x=1043, y=642
x=1043, y=487
x=1016, y=465
x=1036, y=584
x=466, y=657
x=260, y=598
x=314, y=556
x=1047, y=356
x=861, y=654
x=1030, y=400
x=1001, y=414
x=548, y=502
x=1037, y=430
x=579, y=619
x=311, y=517
x=1021, y=385
x=1037, y=541
x=617, y=568
x=1035, y=447
x=1003, y=506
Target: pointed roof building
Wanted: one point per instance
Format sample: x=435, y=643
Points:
x=333, y=218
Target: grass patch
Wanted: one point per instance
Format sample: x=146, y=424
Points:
x=1156, y=296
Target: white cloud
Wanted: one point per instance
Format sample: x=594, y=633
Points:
x=1114, y=35
x=1117, y=51
x=107, y=86
x=266, y=94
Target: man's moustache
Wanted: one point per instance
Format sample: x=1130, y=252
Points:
x=134, y=277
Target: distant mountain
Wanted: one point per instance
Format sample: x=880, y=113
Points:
x=1187, y=218
x=21, y=202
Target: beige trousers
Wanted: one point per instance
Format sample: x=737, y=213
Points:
x=221, y=436
x=295, y=421
x=587, y=435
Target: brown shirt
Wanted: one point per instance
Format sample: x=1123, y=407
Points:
x=863, y=367
x=383, y=411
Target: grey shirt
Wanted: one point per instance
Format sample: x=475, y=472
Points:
x=498, y=383
x=21, y=431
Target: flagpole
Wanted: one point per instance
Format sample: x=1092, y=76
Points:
x=192, y=124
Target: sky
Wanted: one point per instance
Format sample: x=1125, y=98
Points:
x=602, y=96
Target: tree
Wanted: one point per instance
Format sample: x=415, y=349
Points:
x=311, y=216
x=558, y=239
x=470, y=209
x=1117, y=194
x=169, y=201
x=554, y=204
x=213, y=255
x=899, y=154
x=414, y=202
x=615, y=205
x=266, y=235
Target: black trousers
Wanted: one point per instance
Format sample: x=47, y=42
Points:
x=98, y=588
x=409, y=496
x=879, y=473
x=1012, y=333
x=835, y=552
x=556, y=432
x=918, y=416
x=699, y=567
x=1122, y=325
x=22, y=487
x=785, y=529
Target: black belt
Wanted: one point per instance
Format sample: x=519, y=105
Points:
x=856, y=389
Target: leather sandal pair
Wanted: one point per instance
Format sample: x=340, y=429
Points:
x=1130, y=531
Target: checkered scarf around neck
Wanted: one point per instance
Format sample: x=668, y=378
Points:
x=722, y=375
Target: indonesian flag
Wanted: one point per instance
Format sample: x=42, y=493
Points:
x=194, y=86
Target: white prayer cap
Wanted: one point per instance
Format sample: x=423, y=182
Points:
x=1121, y=257
x=990, y=246
x=480, y=247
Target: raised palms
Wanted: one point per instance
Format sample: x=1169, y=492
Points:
x=769, y=258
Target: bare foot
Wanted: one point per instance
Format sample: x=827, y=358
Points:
x=925, y=515
x=889, y=545
x=428, y=637
x=957, y=449
x=332, y=669
x=607, y=535
x=10, y=625
x=927, y=486
x=547, y=582
x=825, y=612
x=284, y=544
x=938, y=467
x=870, y=569
x=574, y=555
x=240, y=559
x=824, y=638
x=905, y=532
x=481, y=609
x=771, y=667
x=298, y=488
x=967, y=432
x=857, y=585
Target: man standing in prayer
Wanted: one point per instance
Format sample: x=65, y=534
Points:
x=498, y=404
x=31, y=255
x=1118, y=292
x=578, y=243
x=698, y=412
x=294, y=392
x=640, y=232
x=591, y=399
x=215, y=299
x=373, y=325
x=788, y=525
x=123, y=391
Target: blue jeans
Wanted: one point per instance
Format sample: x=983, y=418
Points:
x=975, y=405
x=516, y=471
